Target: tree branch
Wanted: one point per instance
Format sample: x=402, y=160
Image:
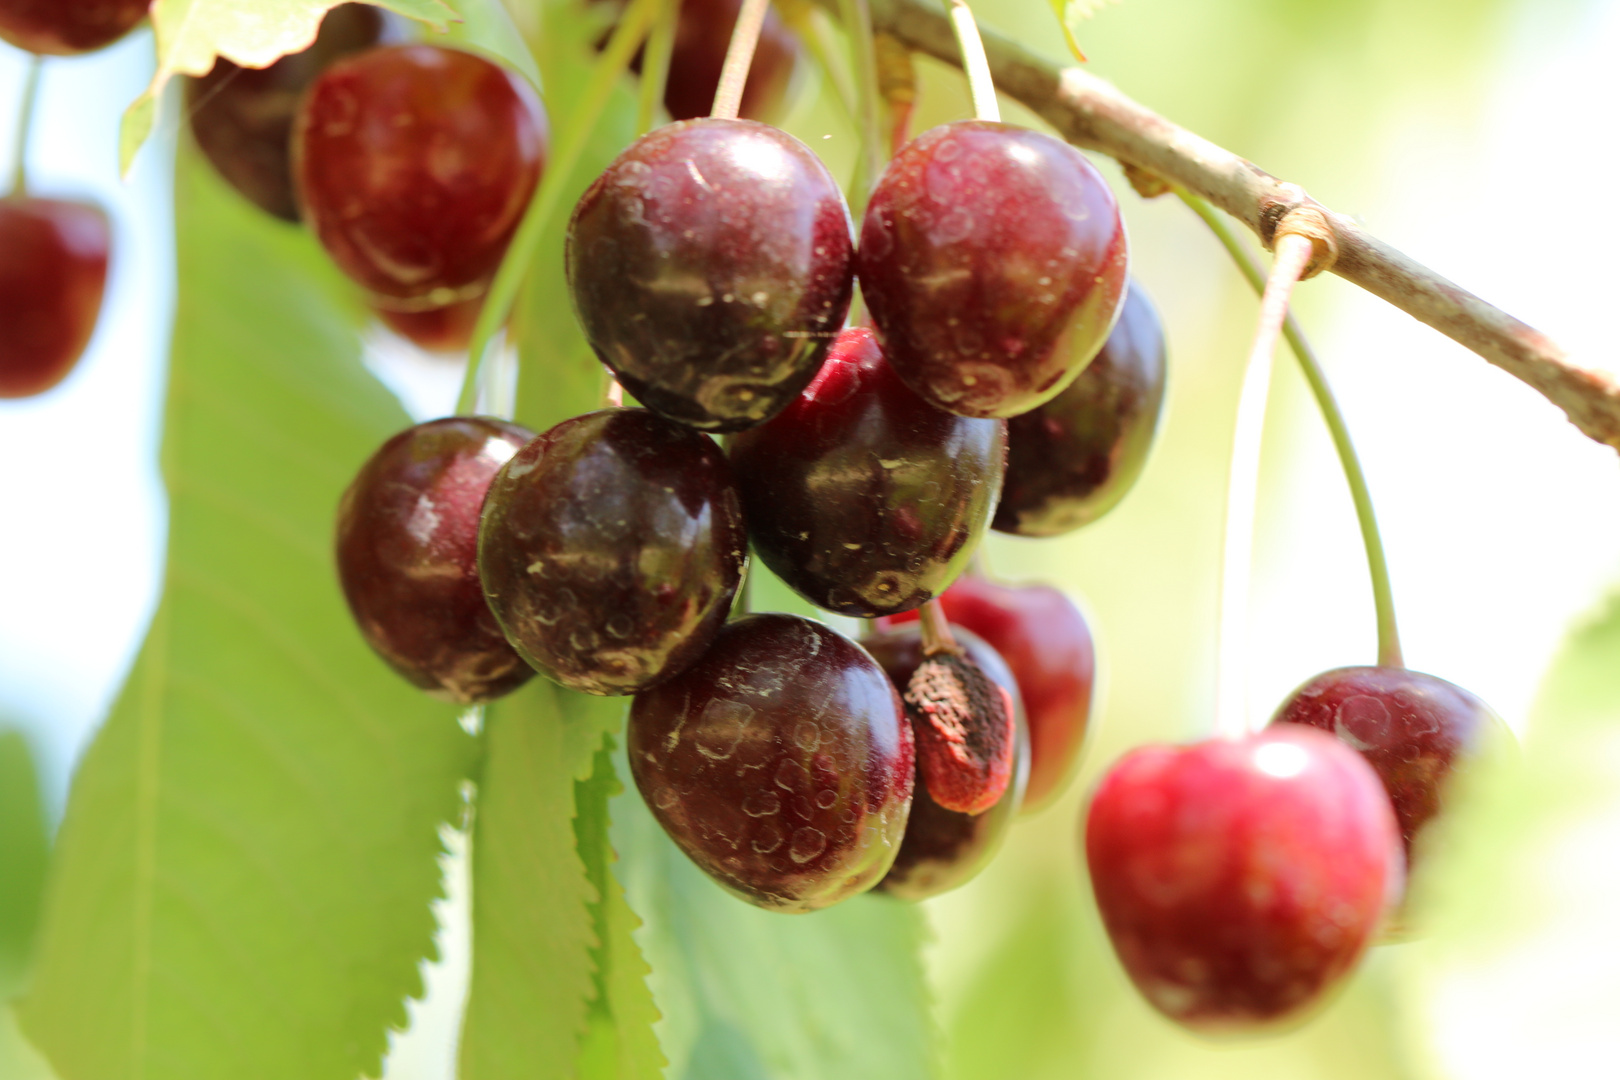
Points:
x=1091, y=113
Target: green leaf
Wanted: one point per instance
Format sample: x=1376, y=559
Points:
x=532, y=932
x=23, y=847
x=244, y=875
x=18, y=1060
x=1070, y=14
x=748, y=994
x=190, y=34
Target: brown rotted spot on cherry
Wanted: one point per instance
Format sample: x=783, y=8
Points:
x=964, y=727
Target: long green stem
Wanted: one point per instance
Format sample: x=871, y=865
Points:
x=974, y=62
x=610, y=66
x=1389, y=643
x=856, y=16
x=25, y=124
x=655, y=64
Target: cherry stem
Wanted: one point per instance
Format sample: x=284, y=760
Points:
x=739, y=57
x=615, y=393
x=974, y=63
x=1389, y=640
x=655, y=64
x=856, y=16
x=610, y=66
x=1242, y=488
x=936, y=629
x=25, y=123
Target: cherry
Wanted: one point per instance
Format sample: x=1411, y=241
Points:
x=447, y=329
x=407, y=539
x=1414, y=730
x=53, y=269
x=780, y=762
x=943, y=848
x=966, y=732
x=1241, y=879
x=68, y=27
x=702, y=35
x=611, y=548
x=1044, y=640
x=242, y=118
x=861, y=496
x=1072, y=459
x=711, y=266
x=994, y=262
x=414, y=164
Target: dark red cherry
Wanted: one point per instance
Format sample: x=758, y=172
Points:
x=1045, y=641
x=780, y=762
x=993, y=259
x=242, y=118
x=861, y=496
x=68, y=27
x=702, y=35
x=447, y=329
x=710, y=266
x=1072, y=459
x=942, y=848
x=1414, y=729
x=611, y=548
x=53, y=269
x=1241, y=879
x=407, y=544
x=414, y=164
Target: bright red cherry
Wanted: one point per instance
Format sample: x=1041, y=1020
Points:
x=447, y=329
x=711, y=266
x=53, y=269
x=1044, y=639
x=242, y=118
x=68, y=27
x=943, y=849
x=407, y=540
x=1072, y=459
x=860, y=495
x=780, y=762
x=702, y=35
x=414, y=165
x=611, y=548
x=1414, y=729
x=993, y=259
x=1240, y=880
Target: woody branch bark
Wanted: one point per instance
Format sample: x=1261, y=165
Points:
x=1091, y=113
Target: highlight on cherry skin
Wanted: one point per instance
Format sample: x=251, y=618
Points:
x=780, y=762
x=53, y=271
x=610, y=549
x=943, y=849
x=1043, y=638
x=993, y=260
x=710, y=266
x=862, y=497
x=1241, y=880
x=407, y=536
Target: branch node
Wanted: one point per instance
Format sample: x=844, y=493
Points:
x=1145, y=182
x=1314, y=225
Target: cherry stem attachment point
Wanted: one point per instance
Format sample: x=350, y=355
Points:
x=25, y=124
x=974, y=62
x=655, y=64
x=1294, y=252
x=1389, y=641
x=936, y=630
x=739, y=57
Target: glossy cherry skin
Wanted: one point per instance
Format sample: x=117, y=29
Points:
x=702, y=35
x=943, y=849
x=1072, y=459
x=1044, y=640
x=68, y=27
x=447, y=329
x=407, y=545
x=242, y=118
x=862, y=497
x=610, y=550
x=993, y=259
x=780, y=762
x=53, y=270
x=1414, y=730
x=711, y=267
x=414, y=164
x=1241, y=879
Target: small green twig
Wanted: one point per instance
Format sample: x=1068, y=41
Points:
x=974, y=63
x=25, y=123
x=655, y=64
